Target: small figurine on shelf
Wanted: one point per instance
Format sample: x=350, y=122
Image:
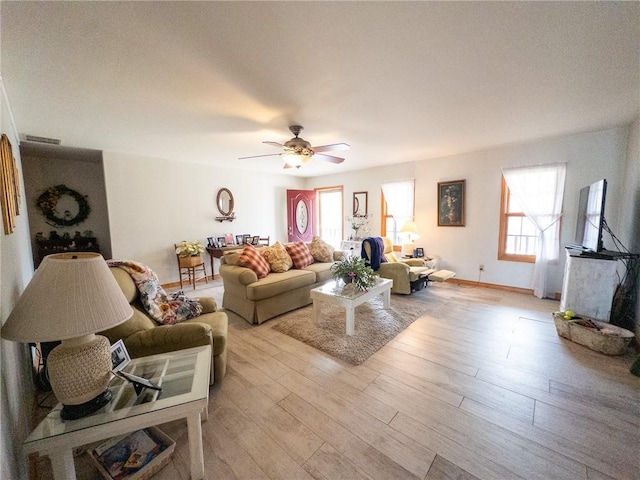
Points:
x=39, y=237
x=53, y=235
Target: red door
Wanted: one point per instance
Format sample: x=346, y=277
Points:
x=301, y=215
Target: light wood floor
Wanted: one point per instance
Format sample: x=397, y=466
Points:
x=482, y=387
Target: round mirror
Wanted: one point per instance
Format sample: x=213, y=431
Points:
x=224, y=201
x=302, y=217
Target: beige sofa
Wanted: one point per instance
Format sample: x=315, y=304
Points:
x=257, y=300
x=144, y=336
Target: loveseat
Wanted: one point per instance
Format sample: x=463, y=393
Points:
x=144, y=336
x=258, y=299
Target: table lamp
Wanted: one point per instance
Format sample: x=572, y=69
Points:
x=71, y=297
x=411, y=230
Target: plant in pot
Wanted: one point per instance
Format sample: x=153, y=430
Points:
x=189, y=252
x=354, y=271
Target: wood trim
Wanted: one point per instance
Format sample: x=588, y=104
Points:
x=502, y=232
x=495, y=286
x=333, y=188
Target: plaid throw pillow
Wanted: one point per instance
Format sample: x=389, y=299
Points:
x=300, y=254
x=251, y=258
x=321, y=250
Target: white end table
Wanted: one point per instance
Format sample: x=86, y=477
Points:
x=184, y=377
x=333, y=293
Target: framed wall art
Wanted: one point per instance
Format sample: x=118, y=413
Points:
x=451, y=204
x=360, y=204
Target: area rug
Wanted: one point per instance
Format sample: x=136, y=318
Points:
x=374, y=327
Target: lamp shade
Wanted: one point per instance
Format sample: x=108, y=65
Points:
x=410, y=227
x=70, y=295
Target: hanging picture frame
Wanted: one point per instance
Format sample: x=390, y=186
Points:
x=451, y=203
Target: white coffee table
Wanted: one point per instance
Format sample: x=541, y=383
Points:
x=334, y=294
x=184, y=377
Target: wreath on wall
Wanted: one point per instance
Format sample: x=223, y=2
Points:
x=48, y=201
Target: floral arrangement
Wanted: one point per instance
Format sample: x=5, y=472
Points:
x=359, y=224
x=189, y=249
x=352, y=269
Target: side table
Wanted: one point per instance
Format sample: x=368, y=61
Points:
x=184, y=378
x=351, y=247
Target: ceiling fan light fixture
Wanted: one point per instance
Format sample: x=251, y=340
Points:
x=295, y=159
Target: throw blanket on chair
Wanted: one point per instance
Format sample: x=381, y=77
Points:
x=164, y=308
x=376, y=247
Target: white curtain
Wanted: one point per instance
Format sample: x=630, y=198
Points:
x=539, y=190
x=399, y=198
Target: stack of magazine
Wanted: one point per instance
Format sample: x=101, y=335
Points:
x=126, y=454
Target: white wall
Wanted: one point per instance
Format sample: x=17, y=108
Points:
x=154, y=203
x=589, y=156
x=16, y=386
x=629, y=210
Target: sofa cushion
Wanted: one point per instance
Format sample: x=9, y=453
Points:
x=322, y=271
x=232, y=257
x=277, y=257
x=125, y=282
x=300, y=254
x=278, y=283
x=251, y=258
x=321, y=250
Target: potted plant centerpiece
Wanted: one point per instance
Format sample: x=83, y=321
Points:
x=354, y=271
x=189, y=253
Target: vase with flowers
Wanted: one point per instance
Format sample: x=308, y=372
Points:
x=354, y=271
x=189, y=253
x=359, y=225
x=189, y=249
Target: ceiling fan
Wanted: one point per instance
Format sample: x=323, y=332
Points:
x=298, y=151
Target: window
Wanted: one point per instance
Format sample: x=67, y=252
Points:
x=397, y=208
x=330, y=223
x=518, y=234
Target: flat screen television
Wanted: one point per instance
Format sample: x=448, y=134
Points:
x=591, y=216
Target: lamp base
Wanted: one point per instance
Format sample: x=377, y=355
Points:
x=73, y=412
x=408, y=248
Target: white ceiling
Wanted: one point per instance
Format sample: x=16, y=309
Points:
x=398, y=81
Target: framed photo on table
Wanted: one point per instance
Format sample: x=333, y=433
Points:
x=451, y=203
x=119, y=356
x=222, y=242
x=228, y=239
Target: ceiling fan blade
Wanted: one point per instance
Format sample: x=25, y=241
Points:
x=275, y=144
x=333, y=146
x=329, y=158
x=258, y=156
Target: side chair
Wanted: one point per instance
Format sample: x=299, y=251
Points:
x=190, y=268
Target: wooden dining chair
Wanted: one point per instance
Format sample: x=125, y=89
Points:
x=190, y=268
